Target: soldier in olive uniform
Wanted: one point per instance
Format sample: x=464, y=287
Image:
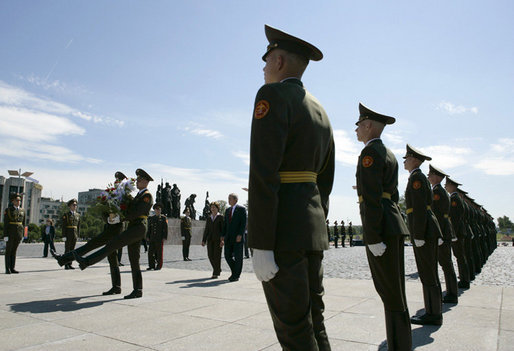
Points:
x=343, y=233
x=70, y=229
x=113, y=226
x=425, y=236
x=137, y=217
x=14, y=224
x=458, y=244
x=441, y=209
x=382, y=225
x=156, y=234
x=185, y=232
x=350, y=233
x=336, y=234
x=291, y=176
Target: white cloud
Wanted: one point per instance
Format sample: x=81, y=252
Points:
x=347, y=149
x=15, y=97
x=447, y=156
x=496, y=166
x=393, y=137
x=453, y=109
x=198, y=129
x=504, y=145
x=243, y=156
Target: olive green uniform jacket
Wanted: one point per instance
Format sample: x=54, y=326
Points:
x=377, y=187
x=14, y=223
x=291, y=132
x=441, y=209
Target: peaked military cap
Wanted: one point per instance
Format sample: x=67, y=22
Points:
x=282, y=40
x=157, y=205
x=436, y=171
x=366, y=113
x=411, y=151
x=14, y=196
x=141, y=173
x=451, y=181
x=119, y=175
x=72, y=201
x=462, y=191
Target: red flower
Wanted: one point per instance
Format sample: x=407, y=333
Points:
x=104, y=198
x=123, y=207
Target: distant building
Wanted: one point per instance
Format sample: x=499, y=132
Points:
x=50, y=208
x=88, y=197
x=31, y=196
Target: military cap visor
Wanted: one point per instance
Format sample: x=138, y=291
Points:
x=413, y=152
x=436, y=171
x=366, y=113
x=72, y=201
x=14, y=196
x=281, y=40
x=119, y=175
x=451, y=181
x=157, y=205
x=141, y=173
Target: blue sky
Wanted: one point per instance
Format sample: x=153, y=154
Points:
x=88, y=88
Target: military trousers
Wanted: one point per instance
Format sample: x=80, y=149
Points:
x=388, y=273
x=10, y=251
x=295, y=301
x=444, y=255
x=477, y=254
x=426, y=262
x=468, y=249
x=71, y=241
x=155, y=251
x=185, y=246
x=458, y=248
x=131, y=238
x=214, y=254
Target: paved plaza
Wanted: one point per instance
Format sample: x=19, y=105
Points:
x=47, y=308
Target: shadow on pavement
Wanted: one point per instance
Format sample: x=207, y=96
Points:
x=200, y=282
x=421, y=335
x=59, y=305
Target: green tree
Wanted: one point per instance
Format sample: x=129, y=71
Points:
x=505, y=223
x=34, y=233
x=223, y=206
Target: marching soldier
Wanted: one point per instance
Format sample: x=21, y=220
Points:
x=290, y=181
x=458, y=244
x=137, y=217
x=14, y=225
x=383, y=226
x=156, y=234
x=113, y=226
x=70, y=229
x=441, y=208
x=425, y=235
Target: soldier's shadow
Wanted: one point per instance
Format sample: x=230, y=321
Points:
x=68, y=304
x=199, y=283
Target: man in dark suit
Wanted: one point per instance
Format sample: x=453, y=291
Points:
x=291, y=176
x=382, y=225
x=425, y=234
x=232, y=236
x=48, y=236
x=156, y=234
x=137, y=217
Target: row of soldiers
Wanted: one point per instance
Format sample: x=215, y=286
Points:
x=340, y=230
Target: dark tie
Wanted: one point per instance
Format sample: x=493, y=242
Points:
x=230, y=216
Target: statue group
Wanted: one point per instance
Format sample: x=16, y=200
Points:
x=170, y=199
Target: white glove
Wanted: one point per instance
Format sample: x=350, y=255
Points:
x=183, y=238
x=63, y=239
x=377, y=249
x=419, y=243
x=6, y=238
x=454, y=239
x=264, y=265
x=113, y=218
x=440, y=242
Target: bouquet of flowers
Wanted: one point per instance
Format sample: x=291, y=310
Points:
x=115, y=199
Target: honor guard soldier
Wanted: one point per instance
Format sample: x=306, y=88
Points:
x=383, y=226
x=336, y=234
x=350, y=233
x=458, y=244
x=137, y=217
x=468, y=235
x=343, y=233
x=425, y=236
x=70, y=229
x=291, y=176
x=113, y=226
x=185, y=231
x=441, y=209
x=156, y=234
x=14, y=225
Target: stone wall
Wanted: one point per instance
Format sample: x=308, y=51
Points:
x=174, y=237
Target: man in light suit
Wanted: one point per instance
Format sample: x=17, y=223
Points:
x=232, y=236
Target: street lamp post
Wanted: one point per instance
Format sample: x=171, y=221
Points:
x=19, y=174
